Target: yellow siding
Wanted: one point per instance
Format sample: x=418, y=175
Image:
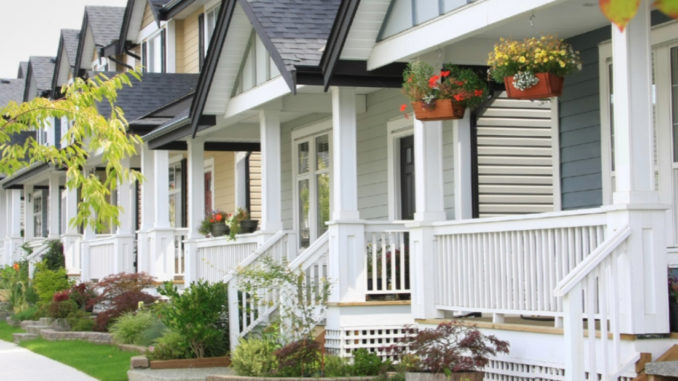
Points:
x=255, y=185
x=224, y=180
x=190, y=45
x=148, y=17
x=179, y=48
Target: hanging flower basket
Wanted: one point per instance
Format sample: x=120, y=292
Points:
x=549, y=85
x=440, y=109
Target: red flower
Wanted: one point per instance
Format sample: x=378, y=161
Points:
x=432, y=81
x=478, y=93
x=460, y=83
x=459, y=97
x=444, y=73
x=409, y=80
x=403, y=107
x=212, y=220
x=16, y=266
x=219, y=217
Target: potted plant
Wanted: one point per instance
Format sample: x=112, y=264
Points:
x=443, y=95
x=247, y=225
x=534, y=67
x=449, y=352
x=673, y=304
x=214, y=224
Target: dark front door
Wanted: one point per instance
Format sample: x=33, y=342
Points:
x=407, y=178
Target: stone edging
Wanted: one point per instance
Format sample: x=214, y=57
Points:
x=92, y=337
x=245, y=378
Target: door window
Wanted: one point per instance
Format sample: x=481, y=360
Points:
x=313, y=167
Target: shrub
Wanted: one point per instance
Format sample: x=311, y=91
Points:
x=366, y=363
x=80, y=320
x=47, y=282
x=61, y=309
x=300, y=358
x=83, y=295
x=54, y=256
x=120, y=293
x=335, y=366
x=171, y=345
x=129, y=328
x=29, y=313
x=255, y=357
x=199, y=314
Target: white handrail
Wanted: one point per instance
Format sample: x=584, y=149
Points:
x=592, y=261
x=258, y=253
x=310, y=254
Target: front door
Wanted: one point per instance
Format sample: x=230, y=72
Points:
x=312, y=185
x=407, y=177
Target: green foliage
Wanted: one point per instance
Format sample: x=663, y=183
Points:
x=90, y=132
x=303, y=300
x=28, y=313
x=336, y=366
x=15, y=279
x=80, y=320
x=366, y=363
x=132, y=327
x=200, y=314
x=301, y=358
x=255, y=357
x=171, y=345
x=462, y=85
x=47, y=282
x=54, y=256
x=62, y=309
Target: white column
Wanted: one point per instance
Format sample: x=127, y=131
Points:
x=124, y=240
x=147, y=188
x=71, y=238
x=88, y=235
x=53, y=206
x=271, y=208
x=345, y=154
x=13, y=223
x=463, y=193
x=241, y=180
x=161, y=254
x=430, y=207
x=196, y=203
x=28, y=212
x=161, y=188
x=633, y=132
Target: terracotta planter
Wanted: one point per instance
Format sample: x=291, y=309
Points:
x=550, y=85
x=248, y=226
x=462, y=376
x=219, y=229
x=441, y=109
x=206, y=362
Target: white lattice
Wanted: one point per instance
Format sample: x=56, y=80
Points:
x=374, y=339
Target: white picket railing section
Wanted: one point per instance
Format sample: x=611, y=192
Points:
x=245, y=311
x=217, y=257
x=101, y=252
x=590, y=299
x=38, y=248
x=387, y=259
x=511, y=265
x=180, y=250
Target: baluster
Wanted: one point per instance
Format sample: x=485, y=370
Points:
x=602, y=290
x=532, y=259
x=374, y=262
x=591, y=323
x=405, y=252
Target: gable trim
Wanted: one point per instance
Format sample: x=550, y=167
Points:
x=337, y=39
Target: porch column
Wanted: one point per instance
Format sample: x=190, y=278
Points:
x=53, y=206
x=196, y=204
x=162, y=235
x=271, y=208
x=28, y=213
x=4, y=236
x=124, y=240
x=241, y=180
x=642, y=261
x=71, y=238
x=430, y=207
x=88, y=235
x=347, y=233
x=147, y=210
x=13, y=223
x=463, y=193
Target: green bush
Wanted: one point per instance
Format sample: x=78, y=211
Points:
x=300, y=358
x=171, y=345
x=14, y=279
x=80, y=320
x=255, y=357
x=54, y=256
x=336, y=366
x=152, y=333
x=62, y=309
x=29, y=313
x=366, y=363
x=47, y=282
x=129, y=328
x=200, y=314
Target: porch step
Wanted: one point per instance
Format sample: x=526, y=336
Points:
x=19, y=337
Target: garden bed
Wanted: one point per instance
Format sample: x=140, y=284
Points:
x=206, y=362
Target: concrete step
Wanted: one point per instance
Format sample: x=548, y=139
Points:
x=19, y=337
x=662, y=368
x=29, y=323
x=35, y=328
x=45, y=321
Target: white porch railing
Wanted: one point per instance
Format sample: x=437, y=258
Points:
x=180, y=235
x=387, y=259
x=511, y=265
x=247, y=312
x=216, y=257
x=38, y=246
x=101, y=257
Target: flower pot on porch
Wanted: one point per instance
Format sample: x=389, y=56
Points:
x=673, y=315
x=248, y=226
x=219, y=229
x=549, y=85
x=440, y=109
x=457, y=376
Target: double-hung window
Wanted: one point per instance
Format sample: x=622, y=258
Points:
x=153, y=53
x=207, y=23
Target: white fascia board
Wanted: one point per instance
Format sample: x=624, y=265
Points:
x=448, y=28
x=257, y=96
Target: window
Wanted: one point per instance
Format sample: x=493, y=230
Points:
x=176, y=185
x=404, y=14
x=37, y=214
x=153, y=53
x=207, y=22
x=257, y=66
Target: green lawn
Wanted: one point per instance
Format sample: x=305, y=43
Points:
x=104, y=362
x=7, y=330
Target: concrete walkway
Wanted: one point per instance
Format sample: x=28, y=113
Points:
x=20, y=364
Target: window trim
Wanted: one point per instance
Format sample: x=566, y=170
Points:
x=396, y=129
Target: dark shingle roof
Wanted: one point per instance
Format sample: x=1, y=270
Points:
x=11, y=90
x=23, y=69
x=105, y=23
x=154, y=91
x=297, y=28
x=70, y=38
x=156, y=6
x=42, y=69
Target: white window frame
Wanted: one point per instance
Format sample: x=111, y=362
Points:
x=310, y=132
x=396, y=129
x=210, y=11
x=176, y=162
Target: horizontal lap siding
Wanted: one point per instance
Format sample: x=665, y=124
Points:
x=190, y=45
x=579, y=112
x=255, y=185
x=224, y=180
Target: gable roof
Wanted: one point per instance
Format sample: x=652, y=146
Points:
x=103, y=22
x=70, y=38
x=40, y=70
x=23, y=69
x=161, y=10
x=68, y=48
x=11, y=90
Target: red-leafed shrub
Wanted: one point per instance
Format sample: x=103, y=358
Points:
x=60, y=296
x=299, y=358
x=120, y=293
x=83, y=295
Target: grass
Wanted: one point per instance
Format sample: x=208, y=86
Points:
x=7, y=330
x=104, y=362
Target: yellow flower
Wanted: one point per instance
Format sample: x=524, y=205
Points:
x=521, y=59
